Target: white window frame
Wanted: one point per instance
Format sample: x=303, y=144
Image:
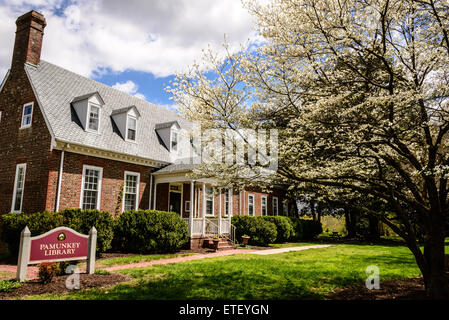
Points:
x=100, y=180
x=262, y=206
x=172, y=133
x=285, y=208
x=187, y=206
x=251, y=195
x=213, y=202
x=24, y=126
x=276, y=212
x=89, y=106
x=18, y=166
x=227, y=202
x=127, y=120
x=136, y=174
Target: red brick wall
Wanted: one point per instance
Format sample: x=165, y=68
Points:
x=162, y=197
x=30, y=146
x=112, y=182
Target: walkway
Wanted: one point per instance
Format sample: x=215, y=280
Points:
x=32, y=271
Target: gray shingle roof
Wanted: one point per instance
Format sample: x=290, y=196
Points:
x=172, y=168
x=165, y=125
x=57, y=87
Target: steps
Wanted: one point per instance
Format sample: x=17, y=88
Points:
x=223, y=244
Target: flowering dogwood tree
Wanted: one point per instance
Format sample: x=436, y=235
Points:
x=359, y=91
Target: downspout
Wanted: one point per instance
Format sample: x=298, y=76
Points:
x=61, y=169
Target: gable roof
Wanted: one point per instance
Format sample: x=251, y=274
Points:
x=165, y=125
x=56, y=88
x=125, y=110
x=87, y=96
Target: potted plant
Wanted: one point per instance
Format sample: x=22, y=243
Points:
x=216, y=240
x=245, y=239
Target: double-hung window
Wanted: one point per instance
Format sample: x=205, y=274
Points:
x=27, y=115
x=94, y=117
x=131, y=128
x=209, y=201
x=19, y=184
x=275, y=206
x=263, y=205
x=174, y=141
x=91, y=187
x=131, y=191
x=251, y=205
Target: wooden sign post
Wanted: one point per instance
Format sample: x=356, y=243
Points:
x=59, y=244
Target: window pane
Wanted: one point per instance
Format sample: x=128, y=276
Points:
x=131, y=134
x=90, y=195
x=94, y=116
x=19, y=188
x=130, y=192
x=251, y=205
x=174, y=142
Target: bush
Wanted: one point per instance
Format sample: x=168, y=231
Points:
x=262, y=232
x=47, y=270
x=38, y=223
x=83, y=220
x=8, y=285
x=305, y=229
x=284, y=227
x=149, y=231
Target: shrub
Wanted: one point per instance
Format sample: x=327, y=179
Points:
x=47, y=270
x=262, y=232
x=284, y=227
x=305, y=229
x=83, y=220
x=8, y=285
x=149, y=231
x=38, y=223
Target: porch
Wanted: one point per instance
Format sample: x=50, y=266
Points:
x=206, y=210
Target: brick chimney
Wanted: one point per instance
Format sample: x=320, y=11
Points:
x=28, y=44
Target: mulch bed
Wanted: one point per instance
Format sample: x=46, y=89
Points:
x=58, y=285
x=401, y=289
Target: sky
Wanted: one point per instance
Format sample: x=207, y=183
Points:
x=136, y=46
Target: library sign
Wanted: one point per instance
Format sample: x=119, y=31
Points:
x=60, y=244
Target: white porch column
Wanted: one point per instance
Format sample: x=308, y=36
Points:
x=231, y=205
x=204, y=209
x=154, y=197
x=192, y=197
x=219, y=211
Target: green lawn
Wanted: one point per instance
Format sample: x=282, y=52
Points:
x=309, y=274
x=137, y=259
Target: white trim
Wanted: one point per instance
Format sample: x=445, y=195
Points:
x=276, y=213
x=22, y=126
x=61, y=171
x=24, y=166
x=261, y=205
x=136, y=174
x=5, y=79
x=187, y=207
x=227, y=192
x=254, y=204
x=52, y=134
x=126, y=129
x=213, y=202
x=89, y=105
x=100, y=179
x=177, y=139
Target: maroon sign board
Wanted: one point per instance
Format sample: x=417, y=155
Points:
x=59, y=244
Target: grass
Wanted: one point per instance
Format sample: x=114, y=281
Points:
x=137, y=259
x=309, y=274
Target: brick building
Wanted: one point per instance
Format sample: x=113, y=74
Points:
x=67, y=141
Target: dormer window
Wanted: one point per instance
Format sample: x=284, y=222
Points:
x=131, y=128
x=27, y=115
x=94, y=117
x=174, y=141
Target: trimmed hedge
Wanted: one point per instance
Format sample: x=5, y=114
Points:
x=284, y=227
x=306, y=229
x=39, y=223
x=149, y=231
x=262, y=232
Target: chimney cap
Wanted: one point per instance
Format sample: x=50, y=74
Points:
x=32, y=15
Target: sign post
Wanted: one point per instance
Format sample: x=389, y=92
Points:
x=59, y=244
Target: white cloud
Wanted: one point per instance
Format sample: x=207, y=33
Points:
x=158, y=36
x=129, y=87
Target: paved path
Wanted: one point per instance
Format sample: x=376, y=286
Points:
x=33, y=271
x=288, y=249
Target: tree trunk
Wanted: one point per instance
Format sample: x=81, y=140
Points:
x=350, y=223
x=312, y=209
x=374, y=232
x=435, y=278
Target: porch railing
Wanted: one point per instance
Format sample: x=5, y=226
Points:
x=227, y=230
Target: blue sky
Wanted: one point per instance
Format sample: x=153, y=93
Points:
x=136, y=46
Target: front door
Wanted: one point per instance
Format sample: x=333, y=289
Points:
x=175, y=202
